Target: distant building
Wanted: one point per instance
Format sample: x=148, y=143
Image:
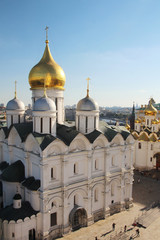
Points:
x=147, y=135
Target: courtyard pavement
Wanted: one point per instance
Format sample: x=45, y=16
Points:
x=146, y=194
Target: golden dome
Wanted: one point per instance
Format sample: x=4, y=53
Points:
x=47, y=72
x=150, y=109
x=138, y=120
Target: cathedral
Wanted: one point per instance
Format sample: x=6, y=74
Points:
x=56, y=177
x=147, y=135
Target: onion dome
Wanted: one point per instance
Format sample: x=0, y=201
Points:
x=155, y=121
x=44, y=104
x=87, y=104
x=47, y=72
x=150, y=109
x=17, y=196
x=15, y=104
x=138, y=120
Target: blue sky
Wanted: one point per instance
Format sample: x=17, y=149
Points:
x=114, y=42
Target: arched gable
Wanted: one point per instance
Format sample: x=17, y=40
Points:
x=117, y=140
x=135, y=135
x=143, y=136
x=79, y=143
x=100, y=142
x=153, y=137
x=14, y=138
x=56, y=147
x=31, y=144
x=55, y=201
x=130, y=139
x=98, y=185
x=79, y=191
x=2, y=135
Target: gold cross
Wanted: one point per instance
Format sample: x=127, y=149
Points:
x=46, y=33
x=15, y=90
x=88, y=86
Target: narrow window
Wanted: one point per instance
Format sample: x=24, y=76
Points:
x=96, y=164
x=78, y=123
x=53, y=219
x=94, y=122
x=51, y=173
x=86, y=124
x=41, y=125
x=56, y=103
x=139, y=145
x=12, y=234
x=18, y=118
x=112, y=190
x=151, y=159
x=96, y=195
x=11, y=119
x=151, y=146
x=50, y=124
x=75, y=200
x=74, y=168
x=147, y=121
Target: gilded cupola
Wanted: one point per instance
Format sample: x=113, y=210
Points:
x=150, y=109
x=47, y=71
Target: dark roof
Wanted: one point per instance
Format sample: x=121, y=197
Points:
x=147, y=130
x=66, y=134
x=17, y=196
x=3, y=165
x=43, y=139
x=5, y=129
x=31, y=183
x=14, y=172
x=107, y=131
x=9, y=213
x=92, y=136
x=23, y=129
x=1, y=189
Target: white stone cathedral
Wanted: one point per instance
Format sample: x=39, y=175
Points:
x=55, y=178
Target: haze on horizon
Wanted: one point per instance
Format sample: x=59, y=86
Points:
x=115, y=43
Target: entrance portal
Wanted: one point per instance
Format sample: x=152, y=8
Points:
x=32, y=234
x=78, y=218
x=157, y=156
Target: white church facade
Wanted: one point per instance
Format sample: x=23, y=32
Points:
x=147, y=135
x=54, y=177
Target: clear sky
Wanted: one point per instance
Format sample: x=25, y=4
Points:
x=114, y=42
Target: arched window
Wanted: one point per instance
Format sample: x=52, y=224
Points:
x=50, y=125
x=139, y=145
x=75, y=199
x=41, y=125
x=86, y=124
x=96, y=195
x=96, y=164
x=112, y=189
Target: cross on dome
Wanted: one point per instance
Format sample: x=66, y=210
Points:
x=15, y=93
x=46, y=34
x=88, y=79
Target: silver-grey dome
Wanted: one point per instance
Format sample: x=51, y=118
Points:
x=44, y=104
x=15, y=104
x=87, y=104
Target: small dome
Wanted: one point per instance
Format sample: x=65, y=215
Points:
x=44, y=104
x=87, y=104
x=15, y=104
x=150, y=109
x=47, y=72
x=17, y=196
